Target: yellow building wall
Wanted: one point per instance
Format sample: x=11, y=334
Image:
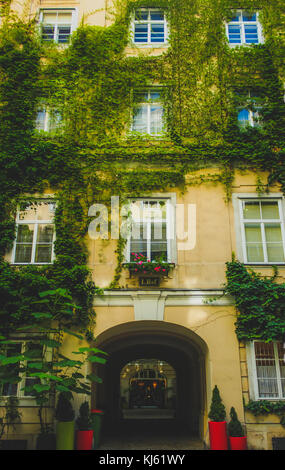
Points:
x=203, y=267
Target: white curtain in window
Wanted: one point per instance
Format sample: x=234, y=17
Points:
x=266, y=370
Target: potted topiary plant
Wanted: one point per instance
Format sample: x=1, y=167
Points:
x=84, y=435
x=236, y=433
x=64, y=414
x=217, y=425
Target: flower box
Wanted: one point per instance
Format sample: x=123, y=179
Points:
x=142, y=267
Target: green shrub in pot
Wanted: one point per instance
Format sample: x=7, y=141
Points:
x=64, y=414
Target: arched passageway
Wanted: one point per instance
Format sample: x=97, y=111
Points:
x=141, y=347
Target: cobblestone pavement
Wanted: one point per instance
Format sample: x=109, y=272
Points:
x=150, y=436
x=153, y=443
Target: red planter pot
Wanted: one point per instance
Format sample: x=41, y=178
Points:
x=238, y=443
x=218, y=435
x=84, y=440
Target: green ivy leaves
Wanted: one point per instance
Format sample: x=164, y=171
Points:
x=260, y=302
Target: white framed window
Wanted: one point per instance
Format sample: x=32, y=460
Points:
x=148, y=112
x=262, y=230
x=149, y=27
x=35, y=233
x=152, y=229
x=244, y=28
x=48, y=120
x=267, y=369
x=57, y=25
x=29, y=350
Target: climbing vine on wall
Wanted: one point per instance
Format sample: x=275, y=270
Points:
x=260, y=302
x=92, y=154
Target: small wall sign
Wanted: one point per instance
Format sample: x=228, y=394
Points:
x=149, y=281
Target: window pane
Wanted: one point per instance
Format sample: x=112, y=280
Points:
x=25, y=233
x=140, y=119
x=141, y=96
x=266, y=370
x=48, y=33
x=157, y=15
x=155, y=210
x=40, y=120
x=33, y=353
x=41, y=210
x=43, y=253
x=10, y=389
x=64, y=17
x=253, y=233
x=158, y=232
x=55, y=120
x=251, y=35
x=281, y=356
x=248, y=17
x=254, y=246
x=254, y=253
x=237, y=17
x=23, y=253
x=243, y=117
x=154, y=96
x=24, y=243
x=157, y=32
x=45, y=210
x=275, y=251
x=141, y=33
x=234, y=34
x=11, y=371
x=63, y=34
x=45, y=233
x=156, y=122
x=138, y=239
x=270, y=210
x=141, y=15
x=158, y=240
x=49, y=17
x=273, y=233
x=28, y=211
x=251, y=210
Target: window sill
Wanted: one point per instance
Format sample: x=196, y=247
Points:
x=265, y=265
x=31, y=264
x=270, y=399
x=143, y=137
x=23, y=401
x=157, y=45
x=245, y=44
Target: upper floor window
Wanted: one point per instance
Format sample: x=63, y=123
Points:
x=244, y=28
x=268, y=364
x=149, y=27
x=151, y=224
x=48, y=120
x=262, y=231
x=248, y=117
x=35, y=233
x=148, y=112
x=57, y=25
x=249, y=110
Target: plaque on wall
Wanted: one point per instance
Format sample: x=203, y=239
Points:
x=149, y=281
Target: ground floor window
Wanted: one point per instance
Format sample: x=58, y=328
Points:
x=269, y=369
x=16, y=356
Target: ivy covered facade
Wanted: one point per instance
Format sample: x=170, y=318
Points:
x=142, y=195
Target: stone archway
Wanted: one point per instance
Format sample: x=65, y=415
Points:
x=179, y=347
